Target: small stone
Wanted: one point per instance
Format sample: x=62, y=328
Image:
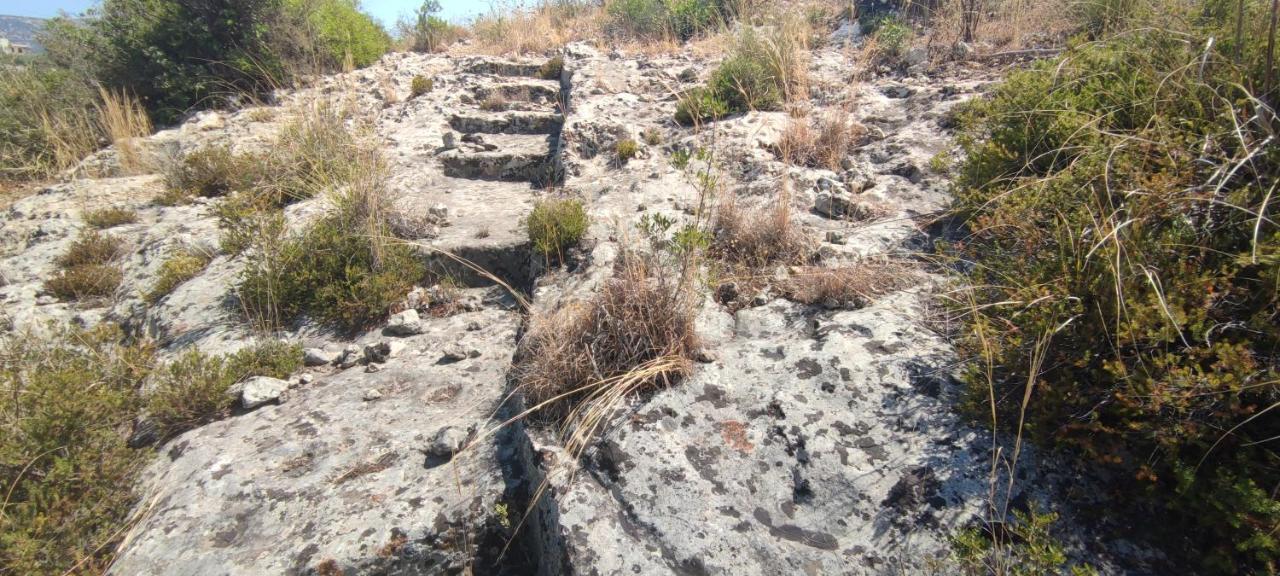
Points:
x=306, y=379
x=897, y=91
x=319, y=357
x=705, y=356
x=406, y=323
x=351, y=355
x=260, y=390
x=45, y=299
x=473, y=326
x=447, y=442
x=439, y=211
x=383, y=351
x=836, y=237
x=372, y=394
x=450, y=140
x=916, y=56
x=453, y=353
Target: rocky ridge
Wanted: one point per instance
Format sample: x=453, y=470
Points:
x=809, y=439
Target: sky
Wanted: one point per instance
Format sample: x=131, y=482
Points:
x=385, y=10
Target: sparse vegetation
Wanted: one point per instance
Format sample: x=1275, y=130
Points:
x=110, y=217
x=182, y=265
x=419, y=86
x=209, y=172
x=824, y=146
x=764, y=68
x=494, y=102
x=87, y=268
x=756, y=236
x=429, y=32
x=192, y=390
x=556, y=224
x=1030, y=549
x=852, y=286
x=652, y=136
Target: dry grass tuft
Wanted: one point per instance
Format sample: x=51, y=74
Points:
x=640, y=323
x=548, y=26
x=758, y=236
x=123, y=119
x=851, y=286
x=824, y=145
x=110, y=217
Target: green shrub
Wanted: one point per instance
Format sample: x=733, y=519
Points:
x=347, y=269
x=892, y=38
x=419, y=86
x=176, y=269
x=110, y=217
x=193, y=390
x=638, y=18
x=662, y=19
x=177, y=56
x=556, y=224
x=1027, y=548
x=625, y=149
x=700, y=105
x=245, y=218
x=66, y=403
x=1109, y=241
x=337, y=30
x=210, y=172
x=746, y=80
x=428, y=32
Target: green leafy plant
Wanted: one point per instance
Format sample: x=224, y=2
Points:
x=556, y=224
x=700, y=105
x=625, y=150
x=1028, y=549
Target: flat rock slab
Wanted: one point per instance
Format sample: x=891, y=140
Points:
x=329, y=477
x=816, y=444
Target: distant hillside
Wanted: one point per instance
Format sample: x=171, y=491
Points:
x=21, y=29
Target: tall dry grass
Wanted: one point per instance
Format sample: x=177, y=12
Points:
x=122, y=119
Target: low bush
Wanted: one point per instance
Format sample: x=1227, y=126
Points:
x=84, y=282
x=1026, y=547
x=209, y=172
x=681, y=20
x=556, y=224
x=110, y=217
x=757, y=236
x=335, y=33
x=652, y=136
x=419, y=86
x=179, y=267
x=193, y=389
x=764, y=69
x=1123, y=229
x=889, y=41
x=852, y=286
x=91, y=248
x=66, y=403
x=347, y=269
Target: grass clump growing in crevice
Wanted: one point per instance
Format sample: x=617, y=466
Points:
x=823, y=144
x=1123, y=228
x=209, y=172
x=635, y=334
x=1031, y=550
x=193, y=389
x=180, y=266
x=555, y=224
x=851, y=287
x=759, y=236
x=552, y=69
x=88, y=268
x=66, y=403
x=625, y=150
x=420, y=85
x=110, y=217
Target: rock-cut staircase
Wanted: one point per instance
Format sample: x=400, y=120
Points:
x=511, y=133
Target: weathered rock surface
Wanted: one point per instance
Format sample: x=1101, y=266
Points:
x=329, y=477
